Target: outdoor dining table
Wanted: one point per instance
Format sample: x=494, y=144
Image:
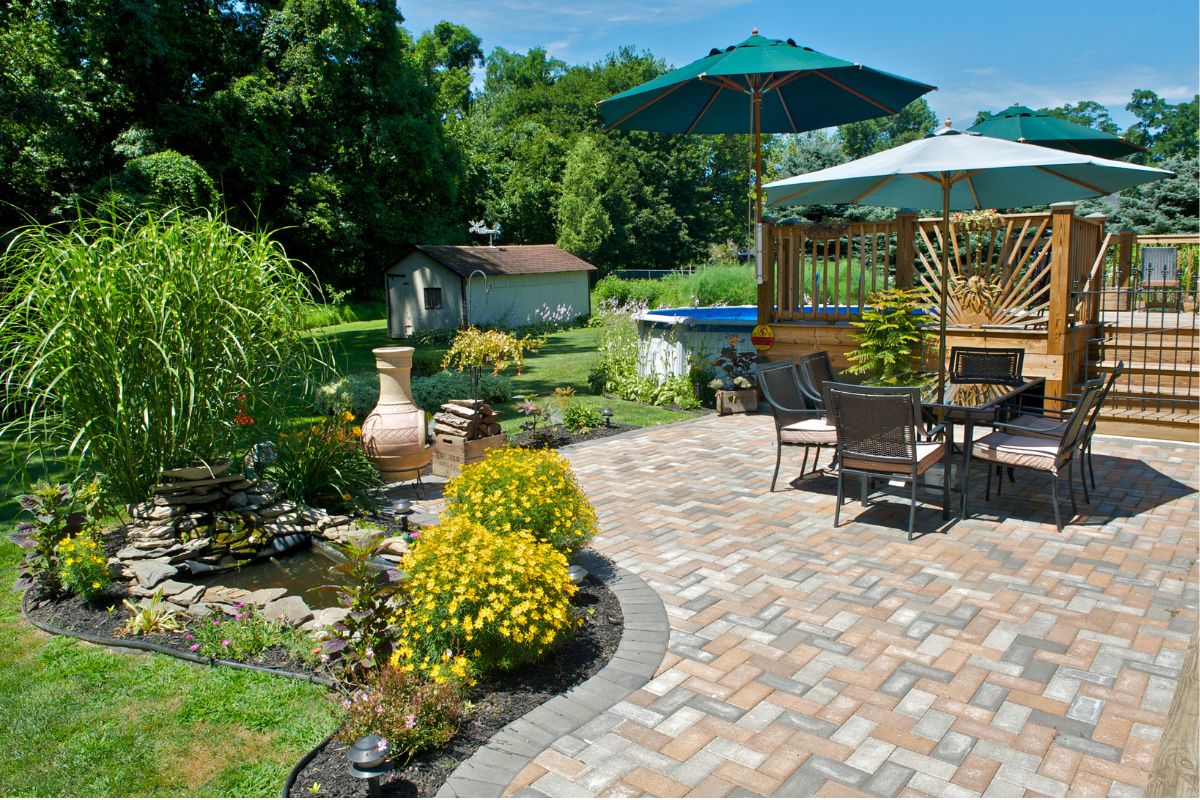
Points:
x=969, y=404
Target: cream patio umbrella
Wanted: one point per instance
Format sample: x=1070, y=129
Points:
x=960, y=171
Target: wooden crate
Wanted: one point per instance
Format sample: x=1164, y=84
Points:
x=451, y=454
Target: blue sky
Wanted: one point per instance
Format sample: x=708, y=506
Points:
x=979, y=54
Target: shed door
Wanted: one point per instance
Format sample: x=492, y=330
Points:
x=399, y=325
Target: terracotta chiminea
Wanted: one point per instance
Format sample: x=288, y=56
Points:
x=394, y=431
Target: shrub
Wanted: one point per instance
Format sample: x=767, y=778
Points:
x=710, y=285
x=430, y=393
x=581, y=418
x=357, y=394
x=514, y=489
x=616, y=371
x=427, y=362
x=492, y=348
x=324, y=465
x=621, y=291
x=127, y=343
x=55, y=510
x=363, y=640
x=890, y=340
x=437, y=337
x=481, y=600
x=411, y=712
x=83, y=566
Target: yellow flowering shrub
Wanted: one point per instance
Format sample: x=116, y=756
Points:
x=82, y=565
x=514, y=489
x=478, y=601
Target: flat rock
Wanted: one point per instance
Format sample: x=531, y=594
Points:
x=224, y=594
x=395, y=544
x=169, y=589
x=132, y=553
x=291, y=609
x=151, y=573
x=323, y=618
x=262, y=597
x=190, y=595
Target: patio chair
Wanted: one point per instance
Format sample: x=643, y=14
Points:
x=880, y=434
x=1040, y=453
x=797, y=423
x=815, y=371
x=986, y=364
x=1052, y=424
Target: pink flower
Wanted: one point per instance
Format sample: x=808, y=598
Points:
x=410, y=720
x=194, y=648
x=345, y=704
x=188, y=638
x=226, y=643
x=383, y=745
x=378, y=709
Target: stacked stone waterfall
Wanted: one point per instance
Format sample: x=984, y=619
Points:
x=201, y=525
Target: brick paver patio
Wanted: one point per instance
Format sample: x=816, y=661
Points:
x=995, y=656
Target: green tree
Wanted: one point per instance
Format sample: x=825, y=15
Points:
x=447, y=55
x=872, y=135
x=160, y=181
x=1086, y=112
x=1162, y=128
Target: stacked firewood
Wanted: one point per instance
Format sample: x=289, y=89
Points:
x=464, y=420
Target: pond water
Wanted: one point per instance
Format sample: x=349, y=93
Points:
x=300, y=572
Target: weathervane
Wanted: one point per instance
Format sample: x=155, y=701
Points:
x=480, y=227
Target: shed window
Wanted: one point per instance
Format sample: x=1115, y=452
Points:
x=433, y=299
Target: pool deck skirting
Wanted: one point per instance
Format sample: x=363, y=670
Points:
x=643, y=644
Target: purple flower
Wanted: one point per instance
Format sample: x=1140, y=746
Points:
x=378, y=709
x=410, y=721
x=370, y=653
x=194, y=647
x=325, y=660
x=226, y=643
x=346, y=704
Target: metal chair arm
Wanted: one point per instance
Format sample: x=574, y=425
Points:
x=1008, y=426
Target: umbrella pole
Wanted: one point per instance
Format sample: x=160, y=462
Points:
x=757, y=100
x=945, y=284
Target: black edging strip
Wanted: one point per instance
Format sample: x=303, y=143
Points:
x=301, y=764
x=152, y=647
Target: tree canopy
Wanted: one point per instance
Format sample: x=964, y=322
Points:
x=328, y=123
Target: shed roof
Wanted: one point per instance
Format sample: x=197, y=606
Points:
x=517, y=259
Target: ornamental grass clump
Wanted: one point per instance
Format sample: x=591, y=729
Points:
x=479, y=601
x=127, y=342
x=516, y=489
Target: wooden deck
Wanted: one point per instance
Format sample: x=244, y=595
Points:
x=1176, y=765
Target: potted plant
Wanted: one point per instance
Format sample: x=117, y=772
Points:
x=736, y=393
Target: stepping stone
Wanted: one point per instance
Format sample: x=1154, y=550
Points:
x=262, y=597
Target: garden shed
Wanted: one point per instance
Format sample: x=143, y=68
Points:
x=511, y=285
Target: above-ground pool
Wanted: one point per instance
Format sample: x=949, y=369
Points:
x=671, y=340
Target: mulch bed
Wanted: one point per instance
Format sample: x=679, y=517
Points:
x=497, y=701
x=555, y=436
x=105, y=615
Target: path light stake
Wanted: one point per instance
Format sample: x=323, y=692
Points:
x=606, y=412
x=368, y=761
x=400, y=510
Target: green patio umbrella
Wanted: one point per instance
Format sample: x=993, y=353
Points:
x=760, y=86
x=960, y=171
x=1021, y=124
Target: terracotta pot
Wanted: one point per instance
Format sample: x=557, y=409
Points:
x=737, y=401
x=394, y=431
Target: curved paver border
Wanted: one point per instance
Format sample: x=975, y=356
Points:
x=493, y=767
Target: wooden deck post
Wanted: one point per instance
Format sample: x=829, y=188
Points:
x=1058, y=313
x=766, y=289
x=1125, y=240
x=906, y=230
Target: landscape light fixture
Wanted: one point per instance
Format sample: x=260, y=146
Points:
x=368, y=761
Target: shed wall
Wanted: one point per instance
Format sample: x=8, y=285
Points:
x=519, y=299
x=406, y=284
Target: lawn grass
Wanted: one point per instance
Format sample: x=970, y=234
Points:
x=82, y=721
x=564, y=360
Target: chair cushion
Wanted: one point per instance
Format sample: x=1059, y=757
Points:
x=1030, y=452
x=928, y=454
x=815, y=431
x=1044, y=426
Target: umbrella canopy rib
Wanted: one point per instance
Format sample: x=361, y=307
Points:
x=856, y=93
x=1075, y=181
x=644, y=106
x=704, y=110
